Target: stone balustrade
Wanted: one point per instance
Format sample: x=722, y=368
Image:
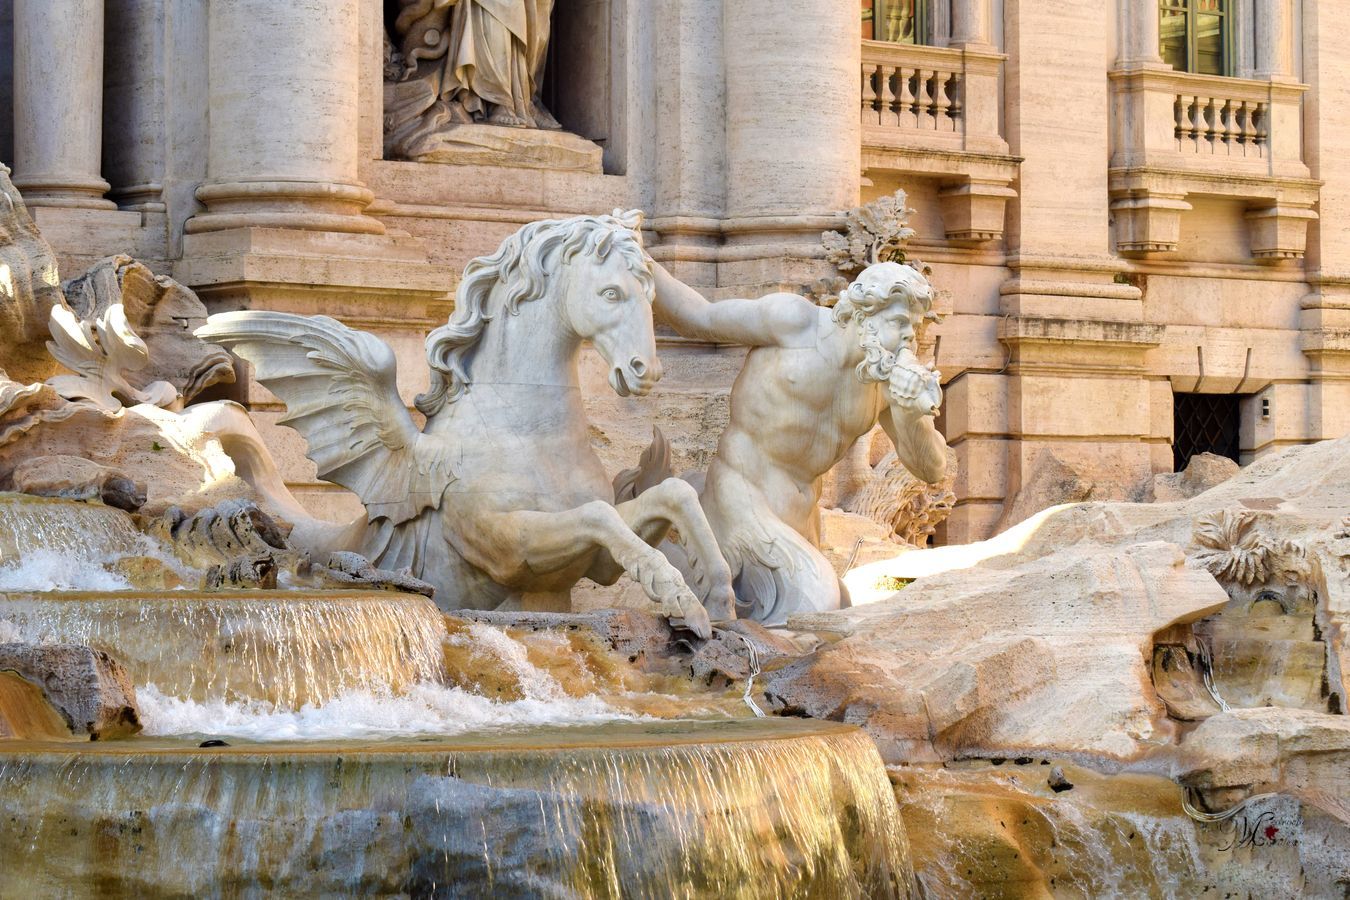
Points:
x=1178, y=135
x=933, y=112
x=914, y=88
x=1224, y=125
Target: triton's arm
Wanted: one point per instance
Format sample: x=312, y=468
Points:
x=776, y=319
x=918, y=444
x=915, y=393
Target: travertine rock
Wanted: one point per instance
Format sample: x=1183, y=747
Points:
x=1042, y=656
x=1052, y=482
x=1002, y=831
x=75, y=478
x=26, y=714
x=643, y=637
x=29, y=288
x=1204, y=471
x=88, y=687
x=1270, y=645
x=190, y=468
x=1269, y=749
x=354, y=570
x=911, y=508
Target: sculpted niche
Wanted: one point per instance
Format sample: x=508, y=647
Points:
x=463, y=81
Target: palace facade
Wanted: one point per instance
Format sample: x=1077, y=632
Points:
x=1133, y=209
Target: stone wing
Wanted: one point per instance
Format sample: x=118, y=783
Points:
x=340, y=387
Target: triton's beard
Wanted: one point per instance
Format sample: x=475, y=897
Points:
x=877, y=361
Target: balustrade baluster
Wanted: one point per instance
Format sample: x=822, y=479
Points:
x=942, y=104
x=1210, y=121
x=908, y=113
x=1247, y=135
x=888, y=113
x=869, y=95
x=1179, y=119
x=1225, y=127
x=1197, y=131
x=956, y=93
x=923, y=91
x=1261, y=127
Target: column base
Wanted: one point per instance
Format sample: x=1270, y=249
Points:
x=298, y=205
x=63, y=191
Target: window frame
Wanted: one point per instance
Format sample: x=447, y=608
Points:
x=1226, y=32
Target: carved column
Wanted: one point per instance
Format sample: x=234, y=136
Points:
x=1272, y=39
x=970, y=23
x=793, y=90
x=58, y=102
x=284, y=108
x=1139, y=35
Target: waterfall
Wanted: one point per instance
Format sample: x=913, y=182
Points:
x=283, y=648
x=733, y=809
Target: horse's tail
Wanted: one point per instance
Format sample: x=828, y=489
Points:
x=652, y=469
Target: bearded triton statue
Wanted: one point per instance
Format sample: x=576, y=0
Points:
x=814, y=382
x=465, y=62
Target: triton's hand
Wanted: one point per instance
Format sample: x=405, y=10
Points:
x=915, y=390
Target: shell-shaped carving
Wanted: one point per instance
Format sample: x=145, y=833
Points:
x=1231, y=547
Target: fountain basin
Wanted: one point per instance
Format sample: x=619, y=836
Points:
x=749, y=808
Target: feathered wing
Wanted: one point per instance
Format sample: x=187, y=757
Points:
x=340, y=387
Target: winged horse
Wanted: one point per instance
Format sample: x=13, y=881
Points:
x=499, y=498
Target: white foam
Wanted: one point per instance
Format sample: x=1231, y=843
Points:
x=428, y=709
x=83, y=568
x=59, y=570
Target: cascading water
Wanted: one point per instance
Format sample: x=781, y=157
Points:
x=288, y=649
x=374, y=746
x=736, y=809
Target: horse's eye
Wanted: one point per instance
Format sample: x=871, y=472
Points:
x=612, y=295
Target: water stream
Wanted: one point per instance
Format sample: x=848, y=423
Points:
x=362, y=742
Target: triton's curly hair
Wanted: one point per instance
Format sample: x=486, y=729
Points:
x=876, y=288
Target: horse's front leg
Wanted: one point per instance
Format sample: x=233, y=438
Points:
x=544, y=542
x=674, y=502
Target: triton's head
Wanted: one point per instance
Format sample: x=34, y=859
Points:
x=889, y=302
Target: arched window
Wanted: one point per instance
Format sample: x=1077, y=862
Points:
x=1196, y=35
x=897, y=21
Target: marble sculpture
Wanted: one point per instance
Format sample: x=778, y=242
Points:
x=814, y=382
x=464, y=62
x=499, y=501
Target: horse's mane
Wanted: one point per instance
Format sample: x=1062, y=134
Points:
x=522, y=266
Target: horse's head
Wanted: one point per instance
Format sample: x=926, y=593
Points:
x=607, y=300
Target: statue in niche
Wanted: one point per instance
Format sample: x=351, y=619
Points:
x=815, y=381
x=499, y=501
x=458, y=72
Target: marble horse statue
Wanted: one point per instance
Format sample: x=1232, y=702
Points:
x=499, y=501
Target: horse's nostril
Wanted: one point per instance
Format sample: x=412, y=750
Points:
x=638, y=366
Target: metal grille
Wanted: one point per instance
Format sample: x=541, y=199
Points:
x=1204, y=423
